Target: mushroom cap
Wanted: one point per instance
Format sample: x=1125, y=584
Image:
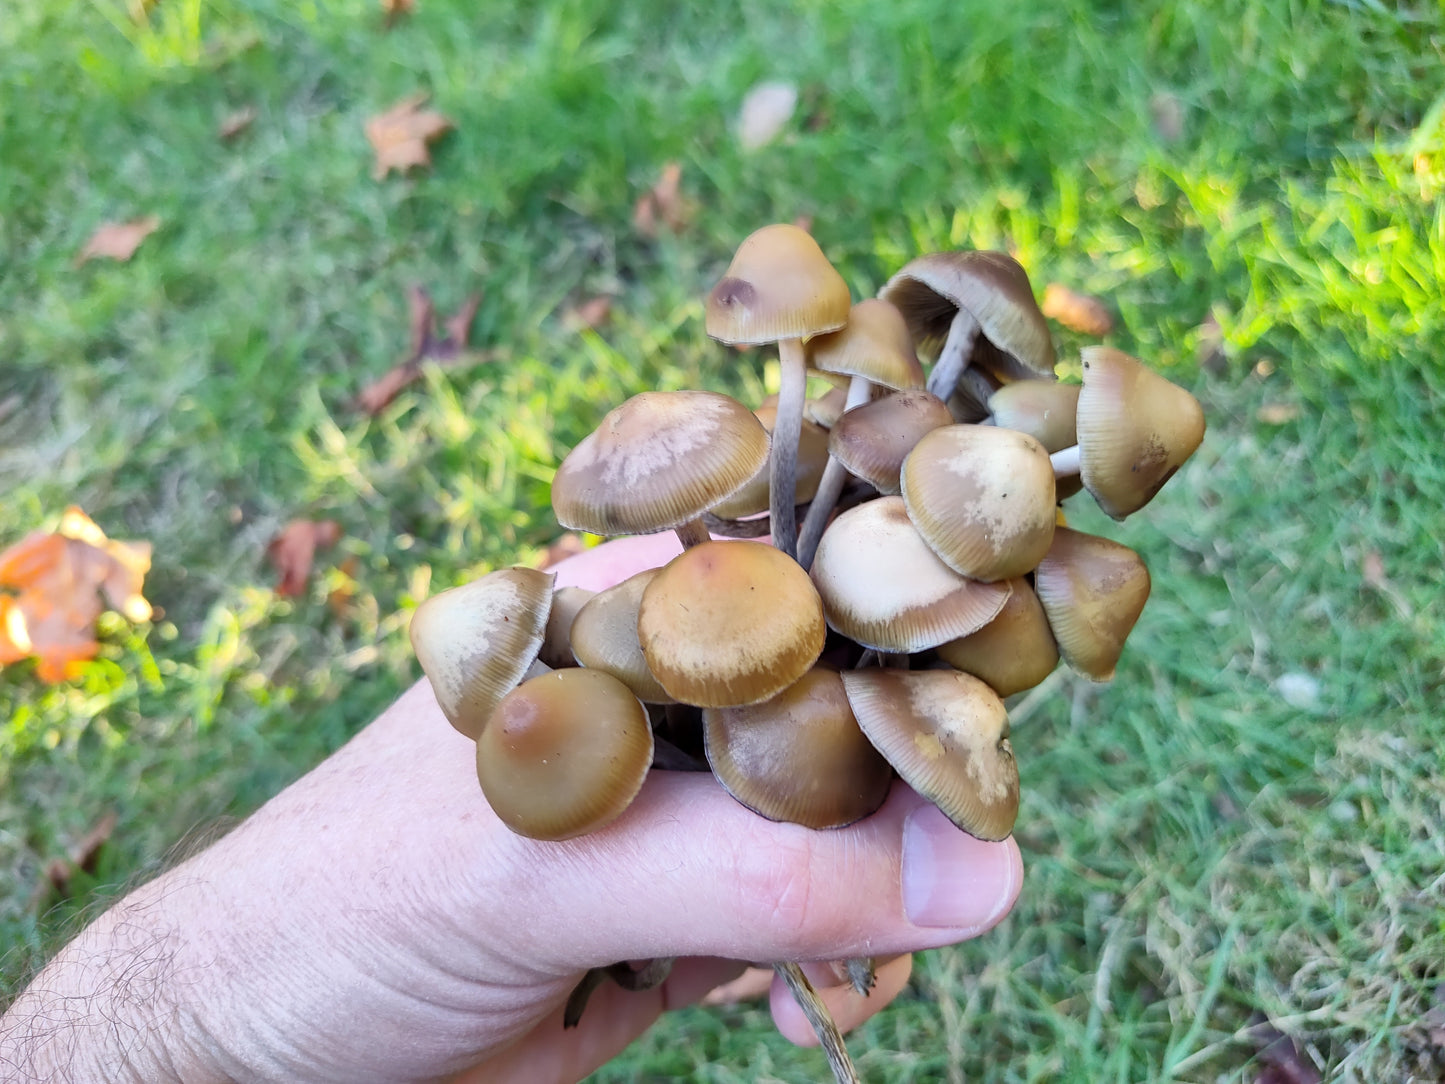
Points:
x=873, y=440
x=730, y=623
x=779, y=286
x=992, y=286
x=875, y=345
x=564, y=753
x=983, y=498
x=1093, y=590
x=556, y=650
x=1135, y=430
x=476, y=641
x=1044, y=409
x=826, y=409
x=752, y=499
x=658, y=461
x=798, y=756
x=1013, y=652
x=946, y=734
x=882, y=586
x=604, y=637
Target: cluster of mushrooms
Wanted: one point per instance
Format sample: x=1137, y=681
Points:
x=931, y=575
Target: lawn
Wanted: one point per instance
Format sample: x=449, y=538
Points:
x=1241, y=833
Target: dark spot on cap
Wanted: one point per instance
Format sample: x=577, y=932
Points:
x=731, y=291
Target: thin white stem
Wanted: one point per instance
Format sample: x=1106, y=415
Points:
x=787, y=429
x=954, y=357
x=1066, y=462
x=830, y=485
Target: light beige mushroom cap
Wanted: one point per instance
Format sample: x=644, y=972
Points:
x=779, y=286
x=875, y=345
x=1044, y=409
x=604, y=637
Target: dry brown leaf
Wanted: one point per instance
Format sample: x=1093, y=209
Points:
x=59, y=579
x=117, y=240
x=445, y=351
x=1078, y=312
x=401, y=136
x=1277, y=413
x=396, y=9
x=81, y=858
x=663, y=205
x=235, y=123
x=294, y=549
x=567, y=545
x=589, y=315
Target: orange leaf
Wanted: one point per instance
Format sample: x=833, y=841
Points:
x=395, y=9
x=60, y=577
x=1077, y=312
x=293, y=550
x=400, y=136
x=118, y=240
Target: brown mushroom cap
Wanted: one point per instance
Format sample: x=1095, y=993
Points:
x=779, y=286
x=930, y=289
x=604, y=637
x=556, y=650
x=799, y=756
x=1013, y=652
x=1093, y=591
x=752, y=499
x=873, y=440
x=730, y=623
x=564, y=754
x=946, y=734
x=1044, y=409
x=658, y=461
x=874, y=345
x=1135, y=430
x=882, y=586
x=476, y=641
x=983, y=498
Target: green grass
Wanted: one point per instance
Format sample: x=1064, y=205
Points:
x=1201, y=852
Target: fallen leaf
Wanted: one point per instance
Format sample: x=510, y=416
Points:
x=589, y=315
x=1078, y=312
x=445, y=351
x=294, y=549
x=567, y=545
x=1277, y=413
x=663, y=205
x=235, y=123
x=80, y=858
x=117, y=240
x=765, y=110
x=400, y=137
x=396, y=9
x=60, y=578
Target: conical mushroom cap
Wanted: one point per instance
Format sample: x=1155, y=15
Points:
x=604, y=637
x=875, y=345
x=476, y=641
x=1044, y=409
x=874, y=439
x=946, y=734
x=1013, y=652
x=798, y=756
x=1135, y=430
x=983, y=499
x=882, y=586
x=658, y=461
x=730, y=623
x=752, y=499
x=779, y=286
x=1093, y=591
x=995, y=289
x=564, y=754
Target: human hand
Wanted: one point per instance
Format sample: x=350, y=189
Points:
x=375, y=921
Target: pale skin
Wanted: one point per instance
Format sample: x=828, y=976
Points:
x=376, y=922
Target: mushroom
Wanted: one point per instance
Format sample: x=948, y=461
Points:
x=476, y=641
x=954, y=297
x=1045, y=410
x=657, y=463
x=564, y=754
x=780, y=288
x=873, y=440
x=556, y=650
x=753, y=498
x=1093, y=590
x=604, y=637
x=1013, y=652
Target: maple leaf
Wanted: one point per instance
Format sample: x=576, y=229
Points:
x=117, y=240
x=60, y=578
x=401, y=136
x=445, y=351
x=662, y=205
x=293, y=550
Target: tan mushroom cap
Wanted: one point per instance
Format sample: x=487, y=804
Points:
x=658, y=461
x=604, y=637
x=730, y=623
x=476, y=641
x=1044, y=409
x=1013, y=652
x=873, y=440
x=556, y=650
x=874, y=345
x=564, y=754
x=946, y=734
x=827, y=408
x=1093, y=590
x=1135, y=430
x=992, y=286
x=752, y=499
x=882, y=586
x=983, y=498
x=799, y=756
x=779, y=286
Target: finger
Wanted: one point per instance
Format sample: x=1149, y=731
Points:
x=612, y=562
x=848, y=1007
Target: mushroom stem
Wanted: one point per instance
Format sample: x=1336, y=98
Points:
x=1065, y=461
x=830, y=485
x=823, y=1023
x=693, y=533
x=954, y=357
x=787, y=430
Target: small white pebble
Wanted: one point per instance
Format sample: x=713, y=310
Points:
x=1298, y=690
x=766, y=108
